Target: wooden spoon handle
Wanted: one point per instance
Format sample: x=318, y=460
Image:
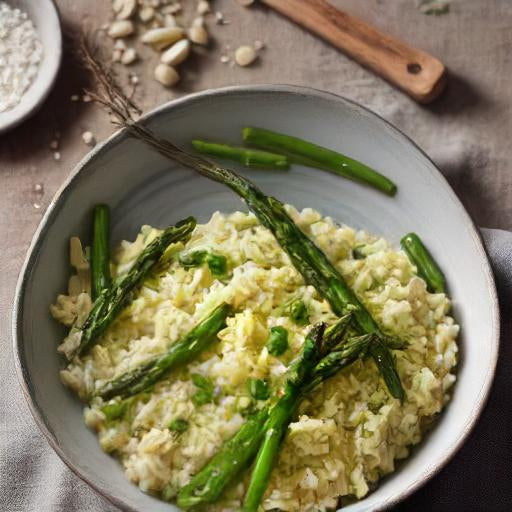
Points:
x=419, y=74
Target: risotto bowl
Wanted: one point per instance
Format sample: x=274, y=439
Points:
x=142, y=187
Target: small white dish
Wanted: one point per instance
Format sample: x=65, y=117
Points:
x=45, y=17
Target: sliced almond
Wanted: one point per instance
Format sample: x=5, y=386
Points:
x=76, y=253
x=88, y=138
x=177, y=53
x=74, y=286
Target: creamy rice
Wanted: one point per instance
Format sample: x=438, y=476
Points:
x=348, y=432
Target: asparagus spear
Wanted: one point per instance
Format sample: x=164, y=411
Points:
x=111, y=301
x=100, y=258
x=307, y=153
x=234, y=456
x=307, y=258
x=279, y=418
x=334, y=361
x=247, y=157
x=427, y=267
x=336, y=333
x=181, y=352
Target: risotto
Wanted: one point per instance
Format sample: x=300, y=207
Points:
x=348, y=431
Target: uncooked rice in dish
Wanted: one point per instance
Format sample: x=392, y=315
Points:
x=347, y=433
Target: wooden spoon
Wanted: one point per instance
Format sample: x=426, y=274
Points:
x=419, y=74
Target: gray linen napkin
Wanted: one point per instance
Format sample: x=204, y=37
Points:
x=33, y=479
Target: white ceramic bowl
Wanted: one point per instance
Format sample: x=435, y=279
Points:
x=45, y=17
x=143, y=187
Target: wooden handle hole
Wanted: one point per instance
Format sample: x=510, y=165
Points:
x=414, y=68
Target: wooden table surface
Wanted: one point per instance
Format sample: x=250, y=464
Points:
x=467, y=132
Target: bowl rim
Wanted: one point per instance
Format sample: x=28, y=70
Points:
x=17, y=314
x=33, y=103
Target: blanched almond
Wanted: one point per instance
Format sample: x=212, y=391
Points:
x=166, y=75
x=203, y=7
x=198, y=35
x=162, y=37
x=170, y=21
x=121, y=28
x=129, y=56
x=198, y=22
x=177, y=53
x=76, y=254
x=124, y=9
x=245, y=55
x=146, y=14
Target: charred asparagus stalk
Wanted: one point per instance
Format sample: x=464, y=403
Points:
x=235, y=455
x=113, y=300
x=280, y=416
x=181, y=352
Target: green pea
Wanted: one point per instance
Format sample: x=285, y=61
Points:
x=116, y=410
x=277, y=343
x=204, y=394
x=217, y=264
x=201, y=382
x=202, y=397
x=259, y=389
x=299, y=312
x=178, y=425
x=192, y=259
